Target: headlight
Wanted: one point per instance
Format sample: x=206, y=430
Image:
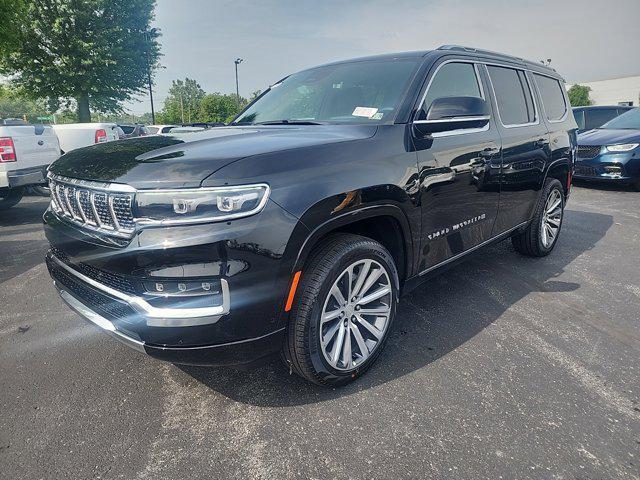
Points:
x=200, y=205
x=622, y=148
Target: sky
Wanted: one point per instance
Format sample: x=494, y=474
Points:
x=585, y=40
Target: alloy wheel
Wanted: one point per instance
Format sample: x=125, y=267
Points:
x=356, y=314
x=551, y=218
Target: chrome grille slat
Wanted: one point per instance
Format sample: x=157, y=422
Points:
x=95, y=206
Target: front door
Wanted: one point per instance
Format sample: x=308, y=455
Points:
x=459, y=173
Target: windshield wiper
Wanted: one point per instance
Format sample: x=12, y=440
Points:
x=289, y=122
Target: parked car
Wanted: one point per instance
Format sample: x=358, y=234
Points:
x=160, y=129
x=25, y=153
x=180, y=130
x=296, y=228
x=592, y=117
x=136, y=130
x=611, y=153
x=77, y=135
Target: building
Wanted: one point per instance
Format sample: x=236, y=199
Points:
x=615, y=91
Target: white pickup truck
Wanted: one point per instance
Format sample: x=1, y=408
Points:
x=25, y=153
x=76, y=135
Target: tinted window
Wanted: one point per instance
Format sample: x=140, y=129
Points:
x=356, y=92
x=127, y=129
x=453, y=80
x=513, y=95
x=599, y=116
x=167, y=129
x=552, y=97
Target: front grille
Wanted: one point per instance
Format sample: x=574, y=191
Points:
x=104, y=305
x=95, y=206
x=585, y=170
x=586, y=152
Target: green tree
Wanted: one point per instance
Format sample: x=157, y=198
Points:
x=97, y=52
x=183, y=102
x=216, y=107
x=10, y=26
x=579, y=95
x=14, y=103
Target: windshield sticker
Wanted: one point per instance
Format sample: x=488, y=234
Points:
x=364, y=112
x=377, y=116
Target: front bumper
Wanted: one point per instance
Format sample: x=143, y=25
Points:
x=609, y=167
x=91, y=301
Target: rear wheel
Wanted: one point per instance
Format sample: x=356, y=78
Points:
x=10, y=197
x=541, y=236
x=345, y=309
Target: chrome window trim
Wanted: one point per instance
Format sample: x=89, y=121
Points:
x=160, y=317
x=493, y=91
x=564, y=97
x=456, y=119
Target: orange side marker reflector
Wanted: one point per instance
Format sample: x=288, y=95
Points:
x=292, y=290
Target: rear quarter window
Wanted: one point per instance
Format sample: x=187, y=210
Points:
x=552, y=96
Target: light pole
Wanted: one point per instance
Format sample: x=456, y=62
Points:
x=238, y=61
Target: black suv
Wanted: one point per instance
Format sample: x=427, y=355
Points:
x=296, y=228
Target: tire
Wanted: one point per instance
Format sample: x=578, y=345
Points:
x=10, y=197
x=303, y=350
x=534, y=241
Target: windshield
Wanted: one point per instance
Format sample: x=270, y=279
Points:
x=358, y=92
x=627, y=121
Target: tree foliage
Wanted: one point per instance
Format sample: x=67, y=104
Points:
x=183, y=102
x=15, y=104
x=579, y=95
x=98, y=52
x=10, y=26
x=187, y=102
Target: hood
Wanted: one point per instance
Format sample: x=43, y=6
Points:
x=601, y=136
x=178, y=161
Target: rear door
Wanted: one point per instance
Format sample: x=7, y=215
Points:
x=525, y=144
x=459, y=172
x=35, y=145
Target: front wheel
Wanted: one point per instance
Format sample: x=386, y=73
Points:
x=345, y=308
x=541, y=236
x=10, y=197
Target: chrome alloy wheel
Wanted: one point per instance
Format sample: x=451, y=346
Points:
x=552, y=217
x=356, y=314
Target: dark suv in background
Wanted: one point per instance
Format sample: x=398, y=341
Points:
x=592, y=117
x=296, y=228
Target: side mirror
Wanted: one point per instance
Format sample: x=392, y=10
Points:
x=452, y=113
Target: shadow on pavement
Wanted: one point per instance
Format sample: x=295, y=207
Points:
x=22, y=244
x=432, y=321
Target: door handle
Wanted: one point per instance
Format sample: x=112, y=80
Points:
x=489, y=152
x=542, y=142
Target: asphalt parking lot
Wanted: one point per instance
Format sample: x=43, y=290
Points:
x=503, y=367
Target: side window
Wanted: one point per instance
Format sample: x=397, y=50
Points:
x=552, y=97
x=513, y=95
x=453, y=80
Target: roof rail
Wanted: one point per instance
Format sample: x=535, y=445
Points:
x=460, y=48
